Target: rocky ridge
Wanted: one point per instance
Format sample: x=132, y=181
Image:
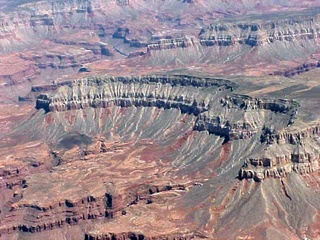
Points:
x=139, y=236
x=300, y=153
x=257, y=33
x=159, y=156
x=38, y=218
x=254, y=39
x=216, y=110
x=181, y=92
x=253, y=33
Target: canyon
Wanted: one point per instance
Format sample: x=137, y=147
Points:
x=174, y=119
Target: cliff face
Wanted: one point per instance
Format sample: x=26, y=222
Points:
x=164, y=44
x=260, y=168
x=216, y=110
x=22, y=29
x=196, y=140
x=257, y=33
x=289, y=72
x=254, y=39
x=139, y=236
x=300, y=153
x=230, y=39
x=71, y=212
x=172, y=155
x=187, y=94
x=60, y=59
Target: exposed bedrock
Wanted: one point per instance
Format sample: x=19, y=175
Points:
x=253, y=33
x=96, y=48
x=294, y=136
x=139, y=236
x=246, y=129
x=274, y=105
x=61, y=60
x=217, y=110
x=163, y=44
x=162, y=141
x=286, y=151
x=259, y=32
x=39, y=218
x=22, y=28
x=260, y=168
x=40, y=20
x=121, y=33
x=255, y=39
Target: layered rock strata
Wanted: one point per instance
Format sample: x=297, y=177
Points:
x=216, y=110
x=297, y=70
x=69, y=212
x=164, y=44
x=255, y=32
x=260, y=32
x=207, y=99
x=286, y=151
x=140, y=236
x=260, y=168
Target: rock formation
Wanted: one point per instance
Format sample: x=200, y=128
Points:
x=172, y=119
x=190, y=95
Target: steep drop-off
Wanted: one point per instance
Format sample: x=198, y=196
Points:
x=134, y=119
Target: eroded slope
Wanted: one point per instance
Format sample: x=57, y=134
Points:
x=195, y=141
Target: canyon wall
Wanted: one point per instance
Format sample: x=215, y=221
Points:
x=215, y=108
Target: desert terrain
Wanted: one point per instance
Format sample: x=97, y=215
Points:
x=171, y=119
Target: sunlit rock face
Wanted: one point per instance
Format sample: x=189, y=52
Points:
x=165, y=119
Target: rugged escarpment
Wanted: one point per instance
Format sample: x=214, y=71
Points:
x=103, y=37
x=210, y=136
x=60, y=58
x=139, y=236
x=286, y=151
x=105, y=202
x=297, y=70
x=258, y=38
x=160, y=91
x=216, y=110
x=72, y=212
x=21, y=29
x=196, y=139
x=261, y=32
x=207, y=99
x=259, y=168
x=163, y=44
x=241, y=103
x=255, y=32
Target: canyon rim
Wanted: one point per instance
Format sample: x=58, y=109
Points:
x=159, y=119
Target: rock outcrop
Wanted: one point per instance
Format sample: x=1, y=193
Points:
x=61, y=59
x=260, y=168
x=254, y=39
x=70, y=212
x=140, y=236
x=164, y=44
x=260, y=32
x=181, y=92
x=286, y=151
x=209, y=105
